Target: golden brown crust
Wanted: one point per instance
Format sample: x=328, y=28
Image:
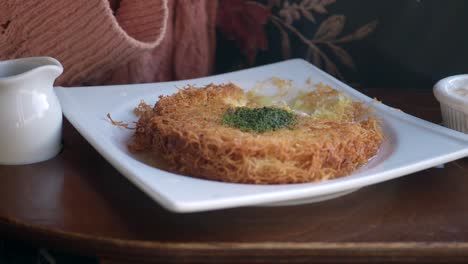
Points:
x=185, y=128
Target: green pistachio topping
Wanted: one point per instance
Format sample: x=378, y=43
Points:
x=258, y=119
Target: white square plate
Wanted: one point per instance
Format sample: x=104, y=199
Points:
x=412, y=145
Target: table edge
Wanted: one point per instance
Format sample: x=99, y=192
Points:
x=105, y=246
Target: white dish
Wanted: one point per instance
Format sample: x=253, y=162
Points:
x=452, y=93
x=412, y=144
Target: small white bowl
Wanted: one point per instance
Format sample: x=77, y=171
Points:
x=452, y=93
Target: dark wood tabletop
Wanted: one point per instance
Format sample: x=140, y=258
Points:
x=77, y=202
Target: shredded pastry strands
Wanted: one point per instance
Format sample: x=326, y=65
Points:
x=141, y=108
x=118, y=123
x=186, y=129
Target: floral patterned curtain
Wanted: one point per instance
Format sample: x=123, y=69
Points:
x=367, y=43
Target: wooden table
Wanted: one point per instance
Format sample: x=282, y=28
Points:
x=78, y=203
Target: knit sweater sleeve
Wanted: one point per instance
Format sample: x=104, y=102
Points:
x=84, y=35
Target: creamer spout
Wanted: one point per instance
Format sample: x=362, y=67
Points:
x=34, y=69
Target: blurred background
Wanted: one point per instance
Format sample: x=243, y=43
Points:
x=397, y=44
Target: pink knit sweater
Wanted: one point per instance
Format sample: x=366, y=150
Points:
x=140, y=41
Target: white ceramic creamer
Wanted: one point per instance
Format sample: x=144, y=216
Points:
x=30, y=112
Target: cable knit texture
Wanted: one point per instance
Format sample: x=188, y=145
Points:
x=96, y=45
x=187, y=50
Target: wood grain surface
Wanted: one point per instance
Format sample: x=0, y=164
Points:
x=79, y=203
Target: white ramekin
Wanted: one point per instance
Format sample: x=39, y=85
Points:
x=452, y=93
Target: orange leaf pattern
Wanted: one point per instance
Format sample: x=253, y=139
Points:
x=284, y=15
